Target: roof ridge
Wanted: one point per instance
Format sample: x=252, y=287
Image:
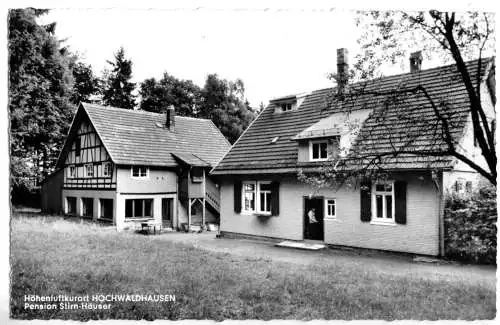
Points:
x=97, y=106
x=382, y=78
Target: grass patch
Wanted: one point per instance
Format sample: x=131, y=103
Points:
x=51, y=256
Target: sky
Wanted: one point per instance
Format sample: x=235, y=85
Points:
x=275, y=52
x=277, y=48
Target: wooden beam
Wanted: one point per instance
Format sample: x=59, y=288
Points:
x=189, y=214
x=203, y=214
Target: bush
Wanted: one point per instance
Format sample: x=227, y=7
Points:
x=470, y=226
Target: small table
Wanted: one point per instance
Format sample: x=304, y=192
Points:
x=151, y=225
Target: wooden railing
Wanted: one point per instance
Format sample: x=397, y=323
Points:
x=213, y=199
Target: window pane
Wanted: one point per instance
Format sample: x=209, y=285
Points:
x=324, y=153
x=138, y=208
x=265, y=187
x=265, y=199
x=388, y=206
x=148, y=208
x=379, y=187
x=249, y=201
x=128, y=209
x=249, y=187
x=315, y=150
x=378, y=203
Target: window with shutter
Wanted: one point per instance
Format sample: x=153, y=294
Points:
x=383, y=203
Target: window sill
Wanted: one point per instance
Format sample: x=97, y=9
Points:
x=139, y=219
x=383, y=223
x=331, y=219
x=257, y=214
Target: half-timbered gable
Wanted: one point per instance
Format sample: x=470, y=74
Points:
x=88, y=164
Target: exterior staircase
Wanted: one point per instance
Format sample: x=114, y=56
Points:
x=213, y=199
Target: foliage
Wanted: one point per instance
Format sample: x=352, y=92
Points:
x=224, y=103
x=117, y=86
x=85, y=83
x=389, y=36
x=220, y=100
x=50, y=255
x=470, y=225
x=156, y=96
x=40, y=87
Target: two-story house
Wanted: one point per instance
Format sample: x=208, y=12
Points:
x=262, y=196
x=129, y=166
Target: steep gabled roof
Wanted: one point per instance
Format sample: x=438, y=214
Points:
x=134, y=137
x=255, y=153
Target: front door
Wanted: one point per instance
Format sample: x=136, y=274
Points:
x=313, y=218
x=167, y=211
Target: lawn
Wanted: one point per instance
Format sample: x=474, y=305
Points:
x=52, y=256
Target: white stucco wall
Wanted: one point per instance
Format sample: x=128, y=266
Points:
x=420, y=234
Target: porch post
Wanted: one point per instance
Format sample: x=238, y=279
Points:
x=204, y=196
x=189, y=214
x=203, y=214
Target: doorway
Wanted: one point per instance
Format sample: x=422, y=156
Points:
x=167, y=211
x=313, y=218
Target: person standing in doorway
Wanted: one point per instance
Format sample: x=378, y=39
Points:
x=312, y=223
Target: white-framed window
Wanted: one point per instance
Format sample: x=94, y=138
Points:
x=89, y=170
x=72, y=171
x=318, y=150
x=383, y=202
x=139, y=208
x=285, y=107
x=107, y=169
x=330, y=208
x=256, y=197
x=140, y=171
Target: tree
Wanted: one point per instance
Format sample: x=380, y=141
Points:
x=452, y=37
x=158, y=95
x=40, y=86
x=224, y=103
x=118, y=88
x=85, y=84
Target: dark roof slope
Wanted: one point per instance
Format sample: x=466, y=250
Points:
x=254, y=152
x=134, y=137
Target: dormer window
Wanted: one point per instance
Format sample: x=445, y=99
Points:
x=318, y=150
x=285, y=107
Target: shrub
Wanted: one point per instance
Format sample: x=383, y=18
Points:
x=470, y=226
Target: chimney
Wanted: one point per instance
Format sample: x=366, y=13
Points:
x=416, y=61
x=170, y=122
x=342, y=67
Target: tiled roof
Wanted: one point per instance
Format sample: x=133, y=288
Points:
x=134, y=137
x=391, y=122
x=190, y=159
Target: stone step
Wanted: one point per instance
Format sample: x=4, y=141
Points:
x=301, y=245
